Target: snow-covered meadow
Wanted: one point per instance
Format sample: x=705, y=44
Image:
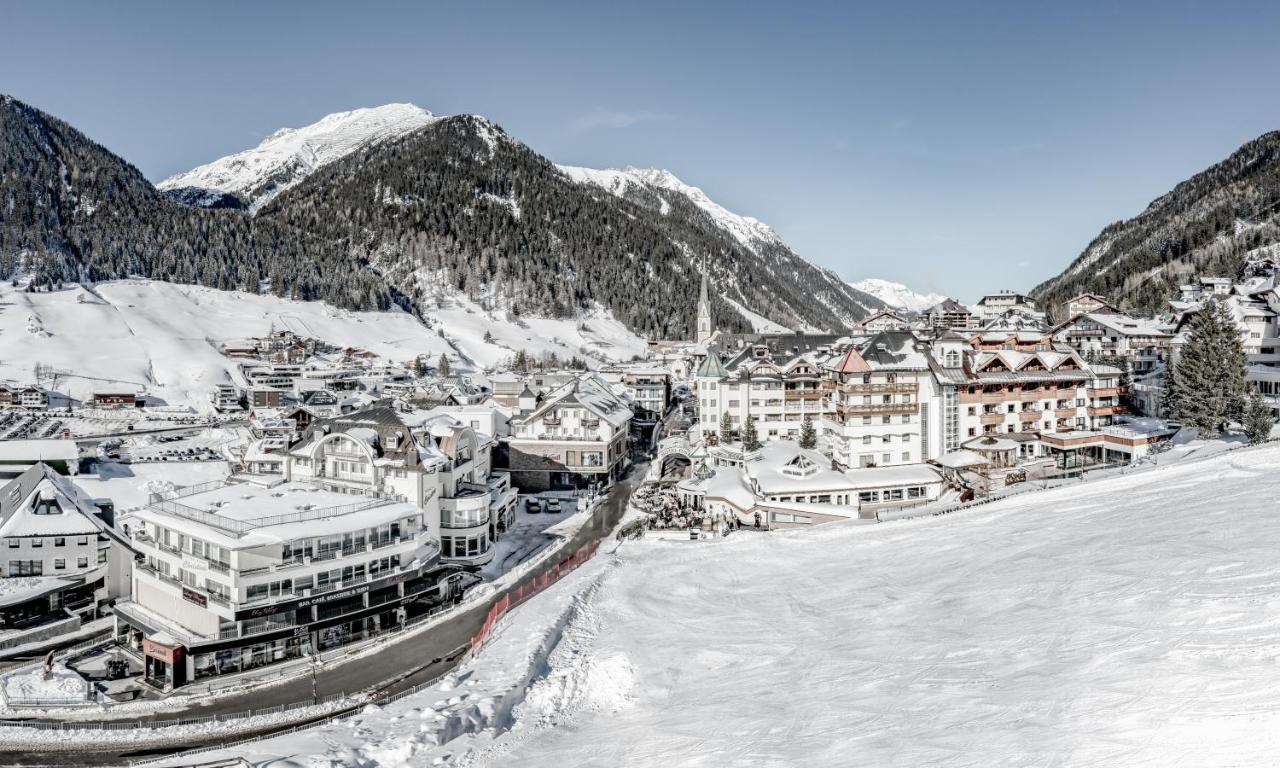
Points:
x=1133, y=621
x=165, y=337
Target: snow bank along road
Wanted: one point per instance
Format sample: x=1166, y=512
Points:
x=1134, y=621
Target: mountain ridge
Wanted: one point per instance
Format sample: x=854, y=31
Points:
x=1208, y=224
x=456, y=204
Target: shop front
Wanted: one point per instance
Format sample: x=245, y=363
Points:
x=165, y=664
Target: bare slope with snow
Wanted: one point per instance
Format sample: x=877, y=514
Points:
x=897, y=295
x=164, y=337
x=1133, y=621
x=289, y=155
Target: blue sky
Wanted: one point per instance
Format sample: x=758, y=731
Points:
x=955, y=147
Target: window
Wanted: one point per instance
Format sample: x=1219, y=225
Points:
x=916, y=492
x=886, y=439
x=885, y=419
x=906, y=418
x=83, y=540
x=102, y=556
x=59, y=563
x=866, y=419
x=26, y=568
x=906, y=456
x=59, y=541
x=13, y=543
x=37, y=542
x=868, y=496
x=866, y=439
x=885, y=458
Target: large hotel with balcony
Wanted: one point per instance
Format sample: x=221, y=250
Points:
x=377, y=514
x=774, y=379
x=236, y=576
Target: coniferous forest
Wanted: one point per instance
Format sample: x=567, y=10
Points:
x=457, y=206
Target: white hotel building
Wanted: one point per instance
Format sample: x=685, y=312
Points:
x=376, y=513
x=237, y=576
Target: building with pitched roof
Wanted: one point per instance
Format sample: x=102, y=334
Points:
x=574, y=437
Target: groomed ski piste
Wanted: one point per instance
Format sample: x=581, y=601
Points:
x=1132, y=621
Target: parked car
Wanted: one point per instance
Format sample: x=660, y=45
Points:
x=553, y=506
x=532, y=505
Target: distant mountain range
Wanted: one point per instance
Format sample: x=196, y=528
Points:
x=897, y=295
x=394, y=205
x=1210, y=224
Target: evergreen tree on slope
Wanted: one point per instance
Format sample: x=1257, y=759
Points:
x=1209, y=388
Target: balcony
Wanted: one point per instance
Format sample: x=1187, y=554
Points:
x=1104, y=392
x=1065, y=413
x=1034, y=395
x=803, y=394
x=1105, y=410
x=992, y=419
x=868, y=409
x=1029, y=415
x=880, y=388
x=998, y=396
x=551, y=421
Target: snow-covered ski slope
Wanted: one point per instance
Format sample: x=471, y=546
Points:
x=1127, y=622
x=165, y=337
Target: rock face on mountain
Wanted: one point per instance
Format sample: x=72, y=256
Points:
x=453, y=205
x=1210, y=224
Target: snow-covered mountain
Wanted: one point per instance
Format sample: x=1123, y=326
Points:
x=289, y=155
x=897, y=295
x=618, y=181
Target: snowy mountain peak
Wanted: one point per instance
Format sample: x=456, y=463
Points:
x=897, y=295
x=744, y=229
x=289, y=155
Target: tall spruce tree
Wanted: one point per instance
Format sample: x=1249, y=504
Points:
x=750, y=438
x=726, y=427
x=1209, y=386
x=1257, y=419
x=442, y=367
x=808, y=434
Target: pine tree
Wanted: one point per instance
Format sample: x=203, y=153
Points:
x=750, y=438
x=726, y=427
x=1210, y=387
x=808, y=435
x=1257, y=419
x=442, y=367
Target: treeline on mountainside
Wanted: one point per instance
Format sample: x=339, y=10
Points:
x=455, y=206
x=75, y=212
x=1206, y=225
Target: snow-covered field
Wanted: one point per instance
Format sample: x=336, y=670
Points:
x=165, y=337
x=1133, y=621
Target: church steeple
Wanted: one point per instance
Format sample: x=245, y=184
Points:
x=704, y=314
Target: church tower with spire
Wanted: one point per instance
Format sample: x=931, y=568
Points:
x=704, y=314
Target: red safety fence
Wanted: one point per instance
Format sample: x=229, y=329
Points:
x=530, y=588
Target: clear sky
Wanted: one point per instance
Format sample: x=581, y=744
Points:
x=956, y=147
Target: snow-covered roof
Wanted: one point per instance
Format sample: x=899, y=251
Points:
x=38, y=450
x=879, y=477
x=244, y=515
x=40, y=502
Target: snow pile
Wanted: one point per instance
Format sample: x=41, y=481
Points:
x=897, y=295
x=289, y=155
x=484, y=706
x=61, y=686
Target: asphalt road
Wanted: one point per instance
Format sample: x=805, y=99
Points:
x=397, y=666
